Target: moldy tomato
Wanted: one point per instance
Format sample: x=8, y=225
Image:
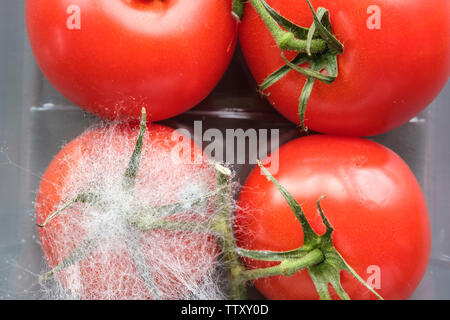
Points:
x=108, y=257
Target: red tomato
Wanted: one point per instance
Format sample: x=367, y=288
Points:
x=386, y=75
x=128, y=54
x=95, y=162
x=373, y=201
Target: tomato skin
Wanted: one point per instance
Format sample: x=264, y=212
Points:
x=129, y=54
x=386, y=76
x=110, y=273
x=373, y=201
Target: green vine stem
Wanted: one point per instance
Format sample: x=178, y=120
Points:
x=286, y=40
x=238, y=8
x=287, y=267
x=133, y=166
x=223, y=226
x=145, y=223
x=316, y=46
x=81, y=198
x=74, y=257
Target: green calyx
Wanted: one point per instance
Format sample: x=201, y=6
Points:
x=317, y=254
x=133, y=166
x=315, y=46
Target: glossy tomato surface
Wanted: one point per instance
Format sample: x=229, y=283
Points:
x=373, y=201
x=387, y=75
x=127, y=54
x=95, y=162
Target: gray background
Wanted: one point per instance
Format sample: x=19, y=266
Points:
x=35, y=121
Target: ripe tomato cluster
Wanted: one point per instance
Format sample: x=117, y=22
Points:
x=321, y=66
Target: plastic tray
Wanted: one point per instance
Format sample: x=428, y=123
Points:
x=36, y=121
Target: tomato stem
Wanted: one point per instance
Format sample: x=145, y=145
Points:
x=287, y=267
x=238, y=8
x=78, y=254
x=223, y=225
x=285, y=39
x=145, y=223
x=316, y=46
x=133, y=166
x=80, y=198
